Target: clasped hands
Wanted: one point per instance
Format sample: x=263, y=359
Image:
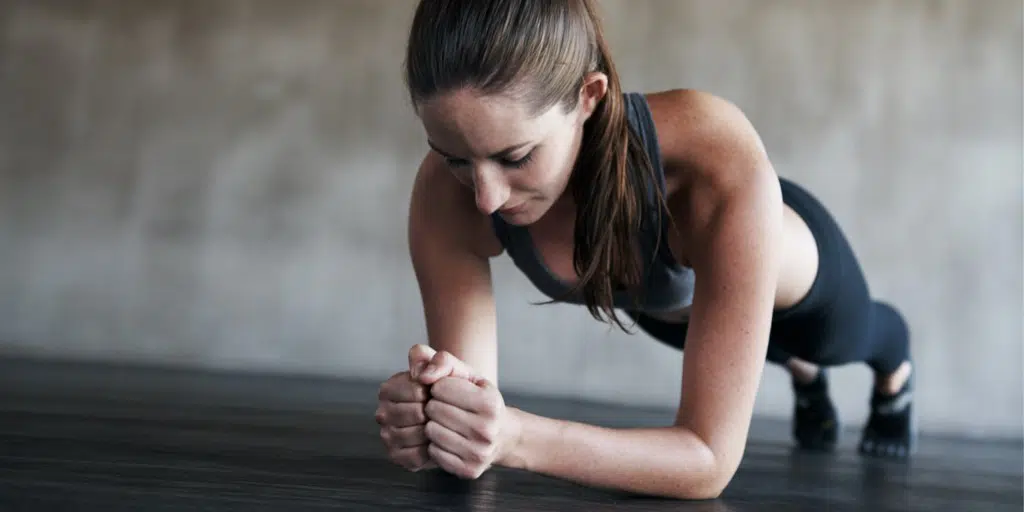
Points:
x=441, y=413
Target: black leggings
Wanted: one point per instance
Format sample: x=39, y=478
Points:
x=837, y=322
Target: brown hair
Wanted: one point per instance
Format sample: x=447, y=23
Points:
x=539, y=51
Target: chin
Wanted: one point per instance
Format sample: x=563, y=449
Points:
x=528, y=215
x=524, y=218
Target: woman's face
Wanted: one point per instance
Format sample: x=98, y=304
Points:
x=517, y=165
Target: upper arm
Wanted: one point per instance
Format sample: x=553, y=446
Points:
x=450, y=244
x=731, y=217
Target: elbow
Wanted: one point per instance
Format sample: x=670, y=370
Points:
x=714, y=473
x=710, y=489
x=714, y=488
x=722, y=472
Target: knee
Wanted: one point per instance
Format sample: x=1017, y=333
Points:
x=893, y=335
x=892, y=320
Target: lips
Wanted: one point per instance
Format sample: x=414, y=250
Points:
x=513, y=210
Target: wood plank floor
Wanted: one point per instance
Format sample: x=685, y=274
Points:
x=93, y=437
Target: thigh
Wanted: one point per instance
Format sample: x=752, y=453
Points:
x=673, y=334
x=829, y=325
x=808, y=337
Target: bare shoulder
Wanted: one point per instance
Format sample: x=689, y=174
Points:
x=442, y=210
x=706, y=137
x=713, y=159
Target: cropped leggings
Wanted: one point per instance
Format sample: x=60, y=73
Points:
x=837, y=322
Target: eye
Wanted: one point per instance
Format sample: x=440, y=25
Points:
x=454, y=162
x=518, y=164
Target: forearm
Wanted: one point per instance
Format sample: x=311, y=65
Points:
x=669, y=461
x=481, y=356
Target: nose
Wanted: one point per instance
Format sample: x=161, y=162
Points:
x=491, y=190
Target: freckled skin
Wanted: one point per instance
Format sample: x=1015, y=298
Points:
x=751, y=254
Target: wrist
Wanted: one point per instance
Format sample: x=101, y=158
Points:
x=512, y=432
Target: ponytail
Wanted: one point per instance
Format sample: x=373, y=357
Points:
x=609, y=186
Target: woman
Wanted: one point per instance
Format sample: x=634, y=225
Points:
x=665, y=207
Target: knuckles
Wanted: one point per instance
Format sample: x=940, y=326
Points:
x=481, y=455
x=420, y=415
x=430, y=430
x=490, y=408
x=385, y=389
x=440, y=388
x=444, y=357
x=431, y=408
x=388, y=390
x=419, y=392
x=486, y=432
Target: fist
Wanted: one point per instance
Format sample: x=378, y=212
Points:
x=468, y=426
x=401, y=416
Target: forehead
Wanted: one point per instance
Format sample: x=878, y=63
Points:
x=467, y=124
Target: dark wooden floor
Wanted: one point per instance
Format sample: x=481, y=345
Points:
x=78, y=437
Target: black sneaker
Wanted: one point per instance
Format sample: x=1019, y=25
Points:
x=890, y=431
x=815, y=422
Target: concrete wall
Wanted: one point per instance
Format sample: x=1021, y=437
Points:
x=224, y=184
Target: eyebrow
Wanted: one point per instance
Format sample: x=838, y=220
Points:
x=499, y=154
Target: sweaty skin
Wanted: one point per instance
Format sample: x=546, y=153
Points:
x=750, y=252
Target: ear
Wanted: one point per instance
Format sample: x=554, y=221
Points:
x=593, y=90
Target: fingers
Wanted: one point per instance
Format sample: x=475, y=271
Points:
x=468, y=425
x=406, y=428
x=414, y=458
x=406, y=445
x=461, y=393
x=400, y=414
x=404, y=437
x=401, y=388
x=419, y=356
x=444, y=364
x=447, y=439
x=456, y=454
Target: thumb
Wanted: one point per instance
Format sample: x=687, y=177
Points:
x=482, y=382
x=444, y=364
x=419, y=356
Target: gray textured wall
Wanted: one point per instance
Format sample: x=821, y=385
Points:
x=224, y=184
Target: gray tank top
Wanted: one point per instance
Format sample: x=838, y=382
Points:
x=668, y=285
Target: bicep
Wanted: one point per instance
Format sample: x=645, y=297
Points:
x=454, y=280
x=736, y=262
